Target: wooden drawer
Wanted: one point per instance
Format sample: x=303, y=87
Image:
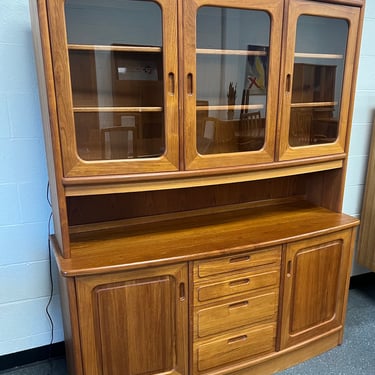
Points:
x=244, y=344
x=237, y=262
x=235, y=284
x=235, y=314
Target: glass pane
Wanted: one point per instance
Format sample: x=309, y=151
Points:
x=116, y=69
x=232, y=71
x=317, y=80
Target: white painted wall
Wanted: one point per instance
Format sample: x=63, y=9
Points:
x=24, y=276
x=24, y=212
x=364, y=112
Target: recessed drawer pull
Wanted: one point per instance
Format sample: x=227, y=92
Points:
x=242, y=258
x=182, y=292
x=240, y=282
x=171, y=83
x=237, y=339
x=190, y=84
x=237, y=305
x=289, y=269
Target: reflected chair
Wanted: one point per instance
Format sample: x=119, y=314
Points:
x=300, y=127
x=119, y=142
x=251, y=137
x=217, y=137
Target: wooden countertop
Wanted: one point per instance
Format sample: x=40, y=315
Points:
x=197, y=237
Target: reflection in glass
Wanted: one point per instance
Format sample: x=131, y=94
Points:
x=121, y=135
x=317, y=80
x=232, y=71
x=116, y=69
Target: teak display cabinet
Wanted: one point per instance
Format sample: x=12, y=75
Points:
x=197, y=152
x=96, y=98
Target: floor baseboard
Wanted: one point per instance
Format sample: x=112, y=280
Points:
x=25, y=357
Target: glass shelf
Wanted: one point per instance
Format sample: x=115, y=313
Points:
x=318, y=56
x=230, y=107
x=117, y=109
x=122, y=48
x=210, y=51
x=314, y=104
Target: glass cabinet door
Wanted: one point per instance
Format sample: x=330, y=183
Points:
x=116, y=83
x=231, y=72
x=317, y=80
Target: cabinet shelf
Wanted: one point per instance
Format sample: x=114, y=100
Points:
x=98, y=47
x=215, y=235
x=313, y=104
x=328, y=56
x=229, y=107
x=211, y=51
x=116, y=109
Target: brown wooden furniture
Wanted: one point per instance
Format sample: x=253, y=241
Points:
x=176, y=258
x=366, y=240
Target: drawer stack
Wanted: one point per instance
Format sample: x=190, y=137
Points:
x=235, y=304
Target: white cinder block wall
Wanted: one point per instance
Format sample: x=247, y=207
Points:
x=24, y=212
x=364, y=114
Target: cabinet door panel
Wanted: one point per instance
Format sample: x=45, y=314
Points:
x=311, y=267
x=315, y=280
x=136, y=326
x=134, y=323
x=116, y=86
x=316, y=83
x=231, y=69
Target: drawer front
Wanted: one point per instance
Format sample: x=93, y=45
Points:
x=237, y=262
x=239, y=284
x=238, y=313
x=245, y=344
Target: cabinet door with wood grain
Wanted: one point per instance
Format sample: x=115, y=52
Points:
x=231, y=68
x=315, y=286
x=134, y=322
x=315, y=86
x=116, y=87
